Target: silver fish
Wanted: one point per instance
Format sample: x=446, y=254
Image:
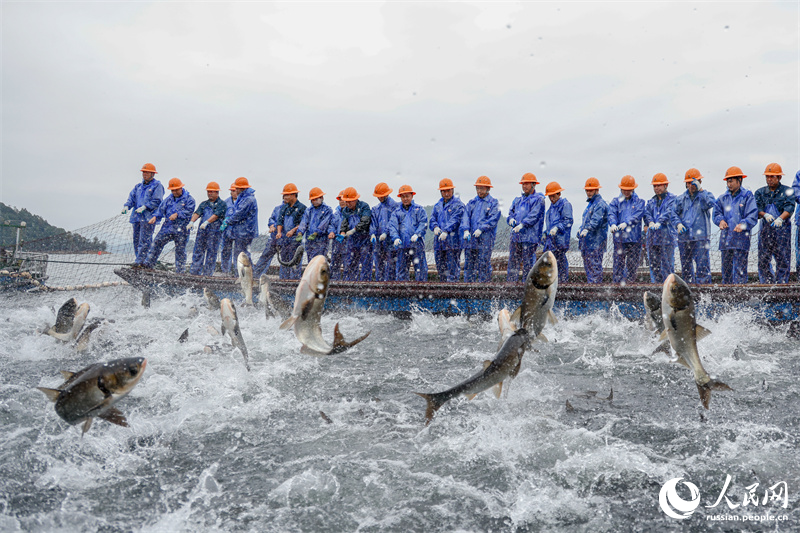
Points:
x=541, y=285
x=82, y=342
x=506, y=364
x=245, y=269
x=309, y=301
x=211, y=299
x=677, y=309
x=230, y=325
x=69, y=321
x=652, y=317
x=273, y=303
x=93, y=391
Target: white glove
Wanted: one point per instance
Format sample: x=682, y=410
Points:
x=656, y=226
x=466, y=234
x=414, y=238
x=680, y=227
x=650, y=225
x=189, y=226
x=512, y=222
x=349, y=232
x=778, y=222
x=613, y=228
x=769, y=218
x=518, y=228
x=477, y=233
x=553, y=232
x=204, y=225
x=584, y=233
x=623, y=226
x=437, y=230
x=398, y=242
x=124, y=209
x=141, y=209
x=443, y=236
x=382, y=237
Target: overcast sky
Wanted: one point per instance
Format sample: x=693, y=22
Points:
x=350, y=94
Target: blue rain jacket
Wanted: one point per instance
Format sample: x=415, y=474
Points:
x=243, y=223
x=448, y=217
x=359, y=218
x=595, y=219
x=483, y=214
x=145, y=194
x=183, y=205
x=407, y=222
x=208, y=208
x=527, y=210
x=230, y=207
x=796, y=190
x=694, y=213
x=664, y=214
x=289, y=218
x=630, y=212
x=381, y=214
x=775, y=202
x=734, y=210
x=336, y=221
x=273, y=218
x=559, y=215
x=316, y=220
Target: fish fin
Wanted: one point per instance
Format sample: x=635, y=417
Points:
x=552, y=317
x=184, y=336
x=705, y=390
x=486, y=364
x=516, y=316
x=288, y=323
x=611, y=395
x=86, y=426
x=498, y=390
x=114, y=416
x=433, y=405
x=223, y=330
x=325, y=417
x=663, y=336
x=52, y=394
x=701, y=332
x=516, y=369
x=569, y=407
x=63, y=337
x=470, y=396
x=680, y=360
x=541, y=337
x=662, y=347
x=67, y=374
x=305, y=350
x=340, y=345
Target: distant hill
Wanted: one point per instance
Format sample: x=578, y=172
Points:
x=39, y=236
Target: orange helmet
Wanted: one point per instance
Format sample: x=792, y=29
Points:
x=773, y=169
x=341, y=193
x=693, y=174
x=290, y=188
x=483, y=181
x=233, y=187
x=314, y=193
x=175, y=184
x=350, y=194
x=405, y=189
x=529, y=178
x=382, y=189
x=445, y=184
x=242, y=183
x=734, y=172
x=149, y=167
x=592, y=183
x=552, y=188
x=212, y=186
x=660, y=179
x=627, y=183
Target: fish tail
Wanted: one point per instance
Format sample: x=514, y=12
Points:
x=434, y=403
x=288, y=323
x=340, y=345
x=705, y=390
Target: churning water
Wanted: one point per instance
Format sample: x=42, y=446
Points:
x=212, y=447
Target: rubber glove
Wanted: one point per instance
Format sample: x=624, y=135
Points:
x=312, y=237
x=124, y=209
x=382, y=237
x=650, y=225
x=477, y=233
x=467, y=236
x=778, y=222
x=299, y=237
x=349, y=232
x=584, y=233
x=373, y=239
x=681, y=228
x=437, y=230
x=204, y=225
x=141, y=209
x=339, y=238
x=657, y=226
x=518, y=228
x=553, y=232
x=512, y=222
x=414, y=238
x=443, y=236
x=769, y=218
x=223, y=226
x=623, y=226
x=697, y=184
x=397, y=242
x=189, y=226
x=613, y=228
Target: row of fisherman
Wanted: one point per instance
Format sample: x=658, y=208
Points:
x=388, y=239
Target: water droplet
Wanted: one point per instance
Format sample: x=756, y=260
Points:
x=416, y=260
x=508, y=26
x=622, y=283
x=542, y=164
x=726, y=28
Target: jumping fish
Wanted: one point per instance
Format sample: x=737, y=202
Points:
x=652, y=306
x=69, y=321
x=309, y=301
x=230, y=325
x=245, y=269
x=677, y=309
x=273, y=304
x=211, y=298
x=506, y=364
x=82, y=342
x=541, y=285
x=93, y=391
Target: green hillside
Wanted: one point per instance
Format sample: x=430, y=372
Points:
x=40, y=236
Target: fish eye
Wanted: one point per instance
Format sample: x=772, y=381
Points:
x=133, y=369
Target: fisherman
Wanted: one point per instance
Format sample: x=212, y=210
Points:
x=445, y=223
x=693, y=223
x=244, y=220
x=659, y=217
x=338, y=247
x=775, y=204
x=271, y=246
x=143, y=200
x=356, y=219
x=288, y=223
x=736, y=213
x=407, y=230
x=226, y=255
x=593, y=234
x=314, y=225
x=211, y=213
x=525, y=217
x=558, y=228
x=384, y=255
x=625, y=216
x=480, y=228
x=176, y=210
